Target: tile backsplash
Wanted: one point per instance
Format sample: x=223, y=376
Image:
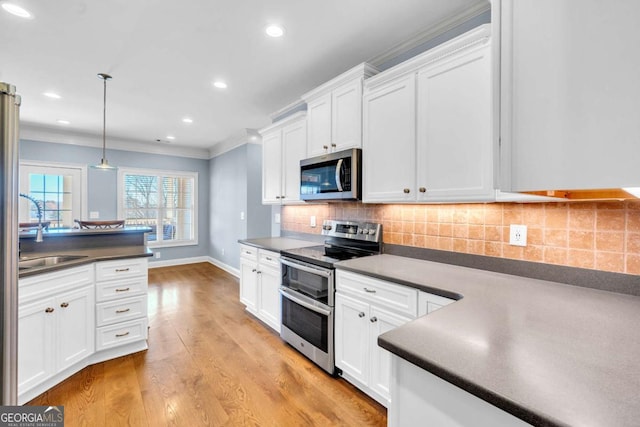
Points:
x=596, y=235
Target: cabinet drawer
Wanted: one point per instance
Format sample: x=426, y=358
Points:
x=249, y=252
x=121, y=333
x=269, y=258
x=121, y=310
x=122, y=268
x=47, y=284
x=401, y=299
x=121, y=288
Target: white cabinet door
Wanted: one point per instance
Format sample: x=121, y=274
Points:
x=389, y=140
x=571, y=93
x=269, y=297
x=249, y=284
x=294, y=149
x=454, y=142
x=75, y=321
x=382, y=321
x=352, y=337
x=319, y=125
x=346, y=114
x=272, y=167
x=428, y=303
x=36, y=341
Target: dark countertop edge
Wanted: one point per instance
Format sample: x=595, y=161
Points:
x=582, y=277
x=144, y=252
x=514, y=408
x=261, y=245
x=435, y=291
x=83, y=232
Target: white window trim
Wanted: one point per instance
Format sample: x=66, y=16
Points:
x=84, y=193
x=184, y=174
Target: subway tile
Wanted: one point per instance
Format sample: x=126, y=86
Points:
x=581, y=258
x=610, y=261
x=579, y=239
x=610, y=241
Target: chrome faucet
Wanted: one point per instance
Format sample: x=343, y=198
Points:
x=37, y=203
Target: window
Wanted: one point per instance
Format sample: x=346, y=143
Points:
x=60, y=190
x=162, y=200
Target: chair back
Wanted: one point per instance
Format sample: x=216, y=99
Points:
x=113, y=223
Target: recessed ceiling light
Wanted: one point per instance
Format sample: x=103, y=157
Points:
x=274, y=31
x=220, y=84
x=63, y=122
x=171, y=137
x=17, y=10
x=187, y=120
x=52, y=95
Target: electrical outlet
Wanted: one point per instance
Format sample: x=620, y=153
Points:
x=276, y=218
x=242, y=216
x=157, y=255
x=518, y=235
x=222, y=251
x=94, y=215
x=313, y=221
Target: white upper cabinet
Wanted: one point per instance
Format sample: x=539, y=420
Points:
x=428, y=126
x=334, y=112
x=570, y=94
x=284, y=144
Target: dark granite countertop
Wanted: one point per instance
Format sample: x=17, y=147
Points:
x=89, y=256
x=66, y=232
x=277, y=244
x=549, y=353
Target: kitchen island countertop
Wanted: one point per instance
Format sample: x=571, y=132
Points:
x=549, y=353
x=278, y=244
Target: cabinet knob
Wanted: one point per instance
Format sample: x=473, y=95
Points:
x=254, y=270
x=422, y=190
x=259, y=272
x=374, y=319
x=283, y=197
x=326, y=147
x=333, y=145
x=269, y=258
x=49, y=310
x=361, y=314
x=371, y=291
x=406, y=191
x=277, y=197
x=64, y=305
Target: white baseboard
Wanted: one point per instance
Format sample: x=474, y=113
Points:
x=194, y=260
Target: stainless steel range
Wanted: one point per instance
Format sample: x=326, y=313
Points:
x=308, y=286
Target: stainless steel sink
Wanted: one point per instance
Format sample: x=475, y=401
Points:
x=47, y=261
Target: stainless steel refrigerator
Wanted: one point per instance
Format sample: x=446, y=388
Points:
x=9, y=115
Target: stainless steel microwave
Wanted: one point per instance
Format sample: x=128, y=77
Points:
x=332, y=176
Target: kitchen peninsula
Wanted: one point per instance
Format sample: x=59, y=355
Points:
x=82, y=300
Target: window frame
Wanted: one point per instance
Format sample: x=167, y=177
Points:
x=160, y=173
x=53, y=168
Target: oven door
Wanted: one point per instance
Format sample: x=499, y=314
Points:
x=308, y=326
x=308, y=279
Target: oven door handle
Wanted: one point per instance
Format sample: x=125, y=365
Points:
x=304, y=267
x=288, y=295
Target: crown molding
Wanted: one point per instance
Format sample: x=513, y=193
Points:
x=242, y=137
x=29, y=131
x=300, y=115
x=363, y=71
x=298, y=103
x=455, y=19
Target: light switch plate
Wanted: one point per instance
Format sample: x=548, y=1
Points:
x=277, y=219
x=242, y=216
x=312, y=222
x=94, y=215
x=518, y=235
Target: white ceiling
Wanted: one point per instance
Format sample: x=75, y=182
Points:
x=164, y=55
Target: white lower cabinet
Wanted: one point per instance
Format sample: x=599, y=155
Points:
x=260, y=278
x=55, y=326
x=365, y=308
x=428, y=303
x=70, y=318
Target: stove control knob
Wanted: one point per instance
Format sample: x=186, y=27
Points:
x=363, y=231
x=372, y=231
x=326, y=227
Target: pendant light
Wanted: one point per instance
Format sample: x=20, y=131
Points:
x=104, y=163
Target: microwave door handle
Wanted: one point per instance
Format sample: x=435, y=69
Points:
x=339, y=175
x=287, y=294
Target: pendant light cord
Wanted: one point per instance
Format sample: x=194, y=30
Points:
x=104, y=120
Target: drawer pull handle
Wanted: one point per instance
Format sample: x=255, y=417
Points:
x=122, y=335
x=269, y=258
x=374, y=319
x=122, y=289
x=123, y=310
x=371, y=291
x=248, y=252
x=49, y=310
x=121, y=270
x=361, y=314
x=64, y=305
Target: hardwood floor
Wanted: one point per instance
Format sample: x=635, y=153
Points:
x=209, y=363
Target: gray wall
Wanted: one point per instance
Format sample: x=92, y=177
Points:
x=236, y=187
x=102, y=185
